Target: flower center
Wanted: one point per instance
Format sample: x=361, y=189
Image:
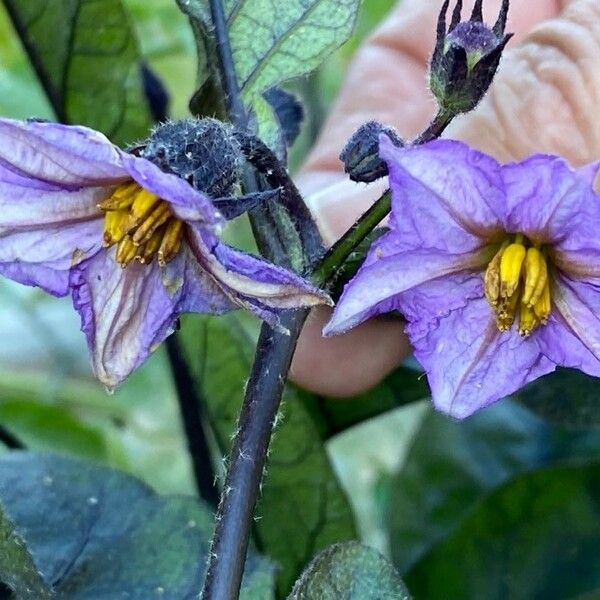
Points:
x=141, y=224
x=517, y=280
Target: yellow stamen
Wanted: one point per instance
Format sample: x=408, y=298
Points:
x=517, y=279
x=159, y=216
x=536, y=277
x=171, y=242
x=150, y=248
x=142, y=225
x=527, y=320
x=492, y=277
x=543, y=306
x=122, y=198
x=506, y=311
x=126, y=251
x=142, y=206
x=115, y=223
x=511, y=264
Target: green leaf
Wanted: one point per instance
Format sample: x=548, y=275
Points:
x=86, y=57
x=303, y=508
x=403, y=386
x=453, y=465
x=350, y=571
x=272, y=42
x=567, y=397
x=71, y=529
x=538, y=536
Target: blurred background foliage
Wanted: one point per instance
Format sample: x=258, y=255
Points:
x=505, y=505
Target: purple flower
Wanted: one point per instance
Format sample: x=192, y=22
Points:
x=135, y=246
x=495, y=268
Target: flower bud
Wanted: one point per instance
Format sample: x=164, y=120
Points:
x=466, y=58
x=361, y=154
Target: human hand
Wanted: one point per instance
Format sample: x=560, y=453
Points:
x=545, y=98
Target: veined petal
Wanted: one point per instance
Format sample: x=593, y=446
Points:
x=62, y=155
x=549, y=201
x=470, y=364
x=127, y=313
x=444, y=195
x=387, y=273
x=245, y=277
x=561, y=345
x=43, y=256
x=188, y=203
x=578, y=305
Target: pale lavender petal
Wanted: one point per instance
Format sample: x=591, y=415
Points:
x=66, y=156
x=387, y=274
x=574, y=333
x=578, y=252
x=561, y=345
x=43, y=256
x=444, y=195
x=126, y=313
x=188, y=203
x=470, y=364
x=244, y=276
x=548, y=200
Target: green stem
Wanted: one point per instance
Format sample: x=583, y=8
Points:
x=341, y=250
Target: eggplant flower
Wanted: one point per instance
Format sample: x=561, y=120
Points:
x=135, y=246
x=496, y=268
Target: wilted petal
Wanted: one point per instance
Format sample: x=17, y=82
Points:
x=548, y=200
x=444, y=195
x=127, y=313
x=188, y=203
x=578, y=306
x=470, y=364
x=62, y=155
x=387, y=273
x=43, y=256
x=251, y=281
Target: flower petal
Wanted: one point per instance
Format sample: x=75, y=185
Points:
x=573, y=336
x=43, y=256
x=547, y=200
x=66, y=156
x=387, y=273
x=188, y=203
x=469, y=363
x=126, y=313
x=444, y=195
x=252, y=282
x=561, y=345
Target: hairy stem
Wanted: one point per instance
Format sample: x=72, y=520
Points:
x=190, y=408
x=248, y=456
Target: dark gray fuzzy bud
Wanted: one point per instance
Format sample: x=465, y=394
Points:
x=361, y=154
x=466, y=58
x=202, y=151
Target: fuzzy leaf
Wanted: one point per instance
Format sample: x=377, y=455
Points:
x=71, y=529
x=272, y=42
x=350, y=571
x=302, y=508
x=86, y=57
